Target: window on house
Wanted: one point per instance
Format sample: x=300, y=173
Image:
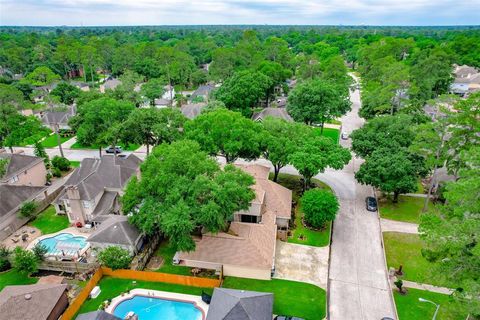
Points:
x=249, y=218
x=86, y=204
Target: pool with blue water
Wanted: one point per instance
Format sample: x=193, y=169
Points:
x=149, y=308
x=64, y=243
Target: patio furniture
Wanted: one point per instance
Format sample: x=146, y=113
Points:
x=14, y=240
x=206, y=297
x=32, y=231
x=24, y=237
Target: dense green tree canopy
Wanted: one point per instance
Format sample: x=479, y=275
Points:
x=227, y=133
x=244, y=90
x=95, y=117
x=315, y=154
x=66, y=92
x=183, y=190
x=319, y=207
x=41, y=76
x=317, y=101
x=453, y=236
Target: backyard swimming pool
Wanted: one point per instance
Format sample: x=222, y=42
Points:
x=150, y=308
x=65, y=244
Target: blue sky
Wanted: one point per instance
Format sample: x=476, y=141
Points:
x=178, y=12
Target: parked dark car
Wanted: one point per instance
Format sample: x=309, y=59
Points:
x=371, y=203
x=287, y=318
x=117, y=149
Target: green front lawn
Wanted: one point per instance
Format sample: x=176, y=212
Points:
x=410, y=308
x=407, y=209
x=331, y=133
x=13, y=277
x=405, y=249
x=307, y=236
x=130, y=147
x=44, y=132
x=51, y=141
x=167, y=252
x=113, y=287
x=48, y=221
x=75, y=164
x=311, y=237
x=290, y=297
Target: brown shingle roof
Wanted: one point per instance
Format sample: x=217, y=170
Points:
x=248, y=244
x=38, y=305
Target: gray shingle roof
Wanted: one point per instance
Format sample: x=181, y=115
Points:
x=43, y=298
x=272, y=112
x=97, y=315
x=203, y=90
x=229, y=304
x=191, y=111
x=94, y=175
x=17, y=163
x=115, y=230
x=58, y=117
x=11, y=196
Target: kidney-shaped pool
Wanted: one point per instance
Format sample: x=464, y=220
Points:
x=150, y=308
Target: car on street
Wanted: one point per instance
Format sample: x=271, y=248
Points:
x=371, y=203
x=344, y=136
x=112, y=149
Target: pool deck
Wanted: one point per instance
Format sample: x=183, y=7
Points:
x=72, y=230
x=196, y=300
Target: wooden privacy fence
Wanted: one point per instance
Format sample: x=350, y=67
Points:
x=135, y=275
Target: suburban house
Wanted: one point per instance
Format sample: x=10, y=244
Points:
x=23, y=170
x=280, y=113
x=203, y=92
x=41, y=91
x=192, y=110
x=110, y=84
x=162, y=103
x=12, y=197
x=91, y=193
x=467, y=80
x=80, y=85
x=169, y=93
x=247, y=249
x=230, y=304
x=33, y=302
x=116, y=231
x=56, y=119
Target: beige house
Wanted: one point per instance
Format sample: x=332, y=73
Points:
x=247, y=249
x=92, y=191
x=23, y=170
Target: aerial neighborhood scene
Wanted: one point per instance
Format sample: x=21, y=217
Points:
x=239, y=160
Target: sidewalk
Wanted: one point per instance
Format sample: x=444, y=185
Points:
x=398, y=226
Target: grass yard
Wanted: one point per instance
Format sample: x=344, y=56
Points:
x=331, y=133
x=167, y=252
x=407, y=209
x=131, y=147
x=75, y=164
x=405, y=249
x=44, y=132
x=112, y=287
x=49, y=222
x=409, y=308
x=290, y=297
x=12, y=277
x=320, y=238
x=311, y=237
x=51, y=141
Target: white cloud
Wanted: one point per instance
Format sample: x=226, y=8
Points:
x=155, y=12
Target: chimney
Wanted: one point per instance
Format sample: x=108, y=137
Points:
x=73, y=193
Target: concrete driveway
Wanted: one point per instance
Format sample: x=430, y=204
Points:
x=301, y=263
